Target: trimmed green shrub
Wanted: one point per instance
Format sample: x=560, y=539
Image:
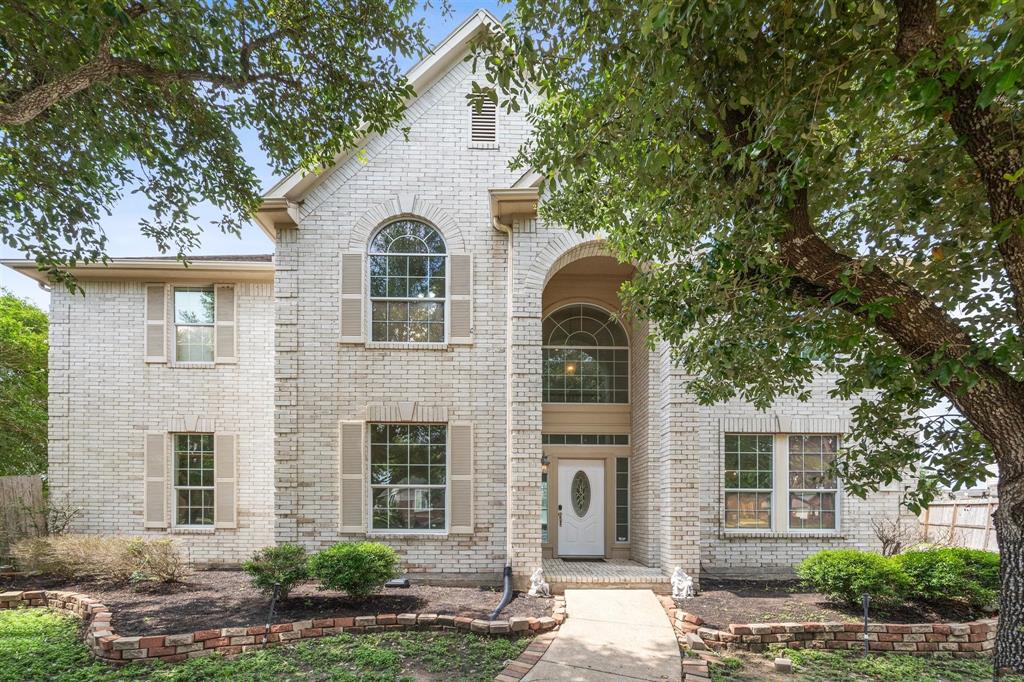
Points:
x=982, y=566
x=953, y=573
x=284, y=565
x=358, y=568
x=846, y=574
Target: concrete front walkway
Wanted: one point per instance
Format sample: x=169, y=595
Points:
x=611, y=635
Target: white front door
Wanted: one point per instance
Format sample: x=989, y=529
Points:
x=580, y=513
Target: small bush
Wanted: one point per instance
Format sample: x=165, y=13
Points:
x=34, y=556
x=284, y=565
x=90, y=556
x=70, y=556
x=846, y=574
x=358, y=568
x=953, y=573
x=161, y=561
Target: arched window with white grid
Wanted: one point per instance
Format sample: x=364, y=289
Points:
x=586, y=356
x=408, y=284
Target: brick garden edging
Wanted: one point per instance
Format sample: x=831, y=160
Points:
x=517, y=669
x=108, y=646
x=976, y=638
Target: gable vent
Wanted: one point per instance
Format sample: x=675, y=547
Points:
x=484, y=123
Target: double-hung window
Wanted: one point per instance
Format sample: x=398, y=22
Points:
x=813, y=491
x=780, y=482
x=193, y=324
x=193, y=479
x=407, y=283
x=748, y=481
x=408, y=477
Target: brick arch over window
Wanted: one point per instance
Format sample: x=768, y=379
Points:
x=411, y=206
x=564, y=249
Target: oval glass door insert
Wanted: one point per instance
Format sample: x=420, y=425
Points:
x=580, y=491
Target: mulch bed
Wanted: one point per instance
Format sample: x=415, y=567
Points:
x=722, y=602
x=218, y=599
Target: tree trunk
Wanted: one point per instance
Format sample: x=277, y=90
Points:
x=1009, y=523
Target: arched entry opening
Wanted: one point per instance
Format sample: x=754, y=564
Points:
x=586, y=427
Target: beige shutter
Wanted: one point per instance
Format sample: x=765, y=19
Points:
x=352, y=303
x=155, y=480
x=460, y=326
x=225, y=336
x=460, y=477
x=350, y=473
x=156, y=323
x=225, y=480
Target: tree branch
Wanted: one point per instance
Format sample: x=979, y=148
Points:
x=988, y=137
x=920, y=328
x=105, y=68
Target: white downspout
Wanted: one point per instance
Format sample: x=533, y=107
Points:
x=510, y=272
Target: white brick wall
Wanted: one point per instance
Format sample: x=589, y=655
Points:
x=320, y=381
x=104, y=397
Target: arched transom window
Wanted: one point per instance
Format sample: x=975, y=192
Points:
x=407, y=283
x=586, y=357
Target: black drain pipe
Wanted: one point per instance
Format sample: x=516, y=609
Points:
x=506, y=597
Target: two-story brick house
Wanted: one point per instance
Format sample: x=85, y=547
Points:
x=425, y=362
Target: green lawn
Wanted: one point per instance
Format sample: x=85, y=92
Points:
x=811, y=665
x=37, y=644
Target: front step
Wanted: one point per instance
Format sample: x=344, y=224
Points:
x=661, y=588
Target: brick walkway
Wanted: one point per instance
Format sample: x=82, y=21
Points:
x=609, y=635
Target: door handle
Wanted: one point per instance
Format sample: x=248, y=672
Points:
x=559, y=516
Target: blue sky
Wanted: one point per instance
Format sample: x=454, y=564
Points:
x=121, y=227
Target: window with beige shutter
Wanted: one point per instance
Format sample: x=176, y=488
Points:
x=194, y=320
x=194, y=492
x=225, y=480
x=408, y=283
x=205, y=324
x=460, y=458
x=156, y=323
x=461, y=323
x=155, y=480
x=408, y=477
x=205, y=480
x=225, y=345
x=351, y=305
x=350, y=476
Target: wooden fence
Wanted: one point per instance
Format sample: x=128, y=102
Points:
x=961, y=523
x=22, y=510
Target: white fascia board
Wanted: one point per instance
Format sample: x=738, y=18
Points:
x=133, y=269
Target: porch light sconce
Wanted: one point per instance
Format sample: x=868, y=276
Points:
x=544, y=461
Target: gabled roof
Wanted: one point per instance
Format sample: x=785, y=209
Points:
x=280, y=200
